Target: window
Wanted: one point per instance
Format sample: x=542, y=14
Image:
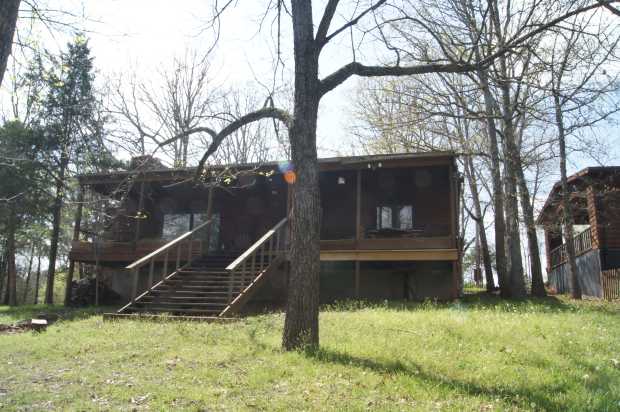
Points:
x=175, y=225
x=395, y=217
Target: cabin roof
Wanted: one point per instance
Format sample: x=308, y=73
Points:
x=325, y=164
x=578, y=182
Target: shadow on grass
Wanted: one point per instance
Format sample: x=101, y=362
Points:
x=486, y=301
x=541, y=395
x=12, y=314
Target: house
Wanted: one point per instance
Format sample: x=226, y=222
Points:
x=595, y=203
x=389, y=231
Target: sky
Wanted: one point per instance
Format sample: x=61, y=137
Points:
x=144, y=36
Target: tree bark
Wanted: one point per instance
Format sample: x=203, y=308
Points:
x=514, y=259
x=538, y=284
x=76, y=237
x=36, y=284
x=11, y=290
x=8, y=20
x=301, y=326
x=56, y=221
x=29, y=273
x=3, y=274
x=498, y=191
x=567, y=210
x=484, y=245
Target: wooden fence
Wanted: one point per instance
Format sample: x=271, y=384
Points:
x=610, y=280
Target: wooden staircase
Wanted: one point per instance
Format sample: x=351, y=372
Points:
x=207, y=286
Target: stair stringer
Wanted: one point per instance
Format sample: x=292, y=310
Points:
x=244, y=296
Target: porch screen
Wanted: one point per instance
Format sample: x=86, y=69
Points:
x=179, y=223
x=175, y=225
x=395, y=217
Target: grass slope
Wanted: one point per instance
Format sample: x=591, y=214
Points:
x=479, y=354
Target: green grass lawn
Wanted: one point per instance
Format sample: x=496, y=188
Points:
x=479, y=354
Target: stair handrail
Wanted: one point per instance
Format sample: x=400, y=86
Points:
x=145, y=259
x=255, y=260
x=260, y=242
x=163, y=250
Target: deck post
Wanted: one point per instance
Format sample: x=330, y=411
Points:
x=453, y=215
x=455, y=280
x=207, y=239
x=357, y=279
x=593, y=218
x=358, y=227
x=134, y=286
x=231, y=280
x=76, y=237
x=97, y=278
x=139, y=217
x=358, y=207
x=151, y=270
x=164, y=271
x=262, y=257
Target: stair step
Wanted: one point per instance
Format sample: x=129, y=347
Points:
x=217, y=282
x=202, y=291
x=180, y=310
x=205, y=288
x=183, y=305
x=182, y=298
x=192, y=292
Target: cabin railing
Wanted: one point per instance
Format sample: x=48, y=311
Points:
x=172, y=249
x=582, y=243
x=258, y=257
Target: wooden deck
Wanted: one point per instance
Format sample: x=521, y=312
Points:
x=416, y=249
x=390, y=255
x=124, y=252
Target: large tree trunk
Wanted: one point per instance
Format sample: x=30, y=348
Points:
x=8, y=20
x=76, y=237
x=29, y=273
x=498, y=191
x=538, y=284
x=3, y=275
x=484, y=245
x=511, y=163
x=11, y=290
x=514, y=260
x=56, y=221
x=567, y=215
x=38, y=277
x=301, y=326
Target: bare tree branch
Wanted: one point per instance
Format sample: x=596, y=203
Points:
x=264, y=113
x=339, y=76
x=328, y=15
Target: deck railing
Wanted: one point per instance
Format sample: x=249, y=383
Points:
x=610, y=282
x=258, y=257
x=171, y=249
x=582, y=243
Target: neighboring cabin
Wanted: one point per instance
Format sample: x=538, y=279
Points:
x=595, y=201
x=389, y=231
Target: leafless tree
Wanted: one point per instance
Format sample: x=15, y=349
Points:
x=9, y=10
x=301, y=326
x=182, y=98
x=583, y=89
x=251, y=143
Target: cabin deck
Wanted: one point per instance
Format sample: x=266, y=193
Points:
x=420, y=249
